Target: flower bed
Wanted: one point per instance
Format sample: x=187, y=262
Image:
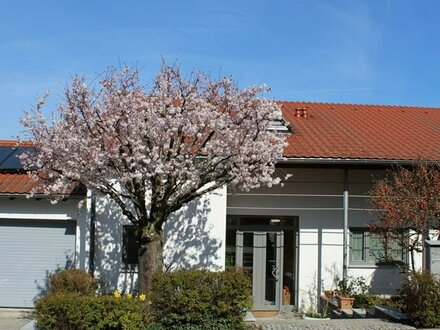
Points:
x=185, y=299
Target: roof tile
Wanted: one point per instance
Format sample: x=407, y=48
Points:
x=362, y=131
x=22, y=183
x=329, y=130
x=13, y=183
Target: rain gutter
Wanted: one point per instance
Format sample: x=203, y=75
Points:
x=40, y=196
x=347, y=161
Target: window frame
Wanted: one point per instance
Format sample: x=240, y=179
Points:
x=374, y=261
x=128, y=260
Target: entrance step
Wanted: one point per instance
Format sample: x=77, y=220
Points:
x=359, y=313
x=390, y=313
x=264, y=313
x=370, y=312
x=335, y=314
x=349, y=313
x=332, y=307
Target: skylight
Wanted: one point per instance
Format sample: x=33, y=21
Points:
x=278, y=125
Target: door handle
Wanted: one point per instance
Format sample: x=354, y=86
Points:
x=274, y=270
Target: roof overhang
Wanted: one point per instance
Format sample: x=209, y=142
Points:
x=348, y=161
x=42, y=196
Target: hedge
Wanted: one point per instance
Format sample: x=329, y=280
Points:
x=184, y=300
x=67, y=311
x=72, y=281
x=419, y=297
x=200, y=297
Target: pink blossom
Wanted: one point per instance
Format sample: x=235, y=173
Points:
x=174, y=142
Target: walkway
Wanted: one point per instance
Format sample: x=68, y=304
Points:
x=293, y=322
x=13, y=320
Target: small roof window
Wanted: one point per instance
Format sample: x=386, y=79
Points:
x=278, y=125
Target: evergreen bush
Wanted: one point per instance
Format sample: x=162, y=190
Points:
x=72, y=281
x=419, y=297
x=187, y=299
x=67, y=311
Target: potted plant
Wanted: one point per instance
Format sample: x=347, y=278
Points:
x=328, y=294
x=344, y=294
x=312, y=314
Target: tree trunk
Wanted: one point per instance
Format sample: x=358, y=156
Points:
x=150, y=254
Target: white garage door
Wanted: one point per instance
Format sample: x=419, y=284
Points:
x=29, y=251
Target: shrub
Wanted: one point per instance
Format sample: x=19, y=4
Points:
x=72, y=281
x=349, y=287
x=366, y=300
x=64, y=311
x=357, y=288
x=199, y=297
x=207, y=325
x=419, y=297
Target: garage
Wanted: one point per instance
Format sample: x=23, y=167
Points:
x=30, y=250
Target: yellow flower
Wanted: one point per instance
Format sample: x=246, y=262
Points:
x=129, y=296
x=116, y=294
x=142, y=297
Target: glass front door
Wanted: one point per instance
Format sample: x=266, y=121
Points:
x=260, y=254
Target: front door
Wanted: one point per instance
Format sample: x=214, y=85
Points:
x=259, y=253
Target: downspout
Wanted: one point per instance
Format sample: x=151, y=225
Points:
x=92, y=234
x=346, y=232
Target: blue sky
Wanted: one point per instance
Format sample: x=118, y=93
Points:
x=378, y=51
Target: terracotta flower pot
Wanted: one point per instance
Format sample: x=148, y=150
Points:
x=345, y=302
x=328, y=294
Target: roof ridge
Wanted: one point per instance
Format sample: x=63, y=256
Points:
x=15, y=143
x=359, y=104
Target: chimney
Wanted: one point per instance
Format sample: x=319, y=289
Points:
x=301, y=112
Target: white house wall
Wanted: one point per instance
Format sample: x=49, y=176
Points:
x=197, y=239
x=194, y=237
x=315, y=195
x=109, y=269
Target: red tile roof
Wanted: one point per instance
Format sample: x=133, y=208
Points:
x=22, y=183
x=334, y=131
x=14, y=143
x=354, y=131
x=16, y=183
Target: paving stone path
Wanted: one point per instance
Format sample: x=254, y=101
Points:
x=343, y=324
x=13, y=320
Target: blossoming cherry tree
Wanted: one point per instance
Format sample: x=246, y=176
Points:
x=153, y=150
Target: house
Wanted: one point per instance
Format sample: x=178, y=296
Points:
x=36, y=238
x=295, y=240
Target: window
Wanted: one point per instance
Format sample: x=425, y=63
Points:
x=279, y=125
x=129, y=246
x=368, y=248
